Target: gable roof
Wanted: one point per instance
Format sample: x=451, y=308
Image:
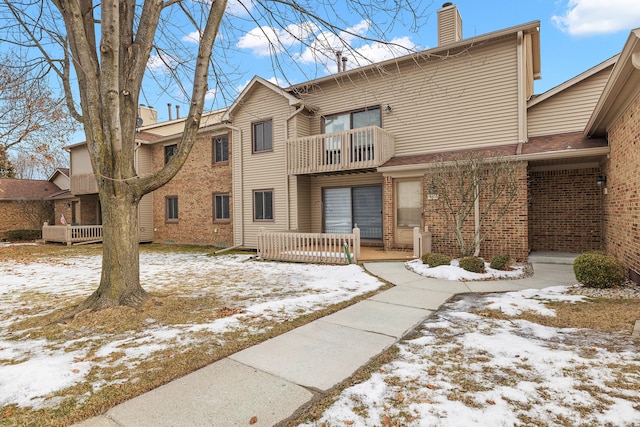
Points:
x=26, y=189
x=59, y=171
x=255, y=81
x=573, y=81
x=621, y=88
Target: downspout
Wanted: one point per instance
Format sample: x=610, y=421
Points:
x=286, y=162
x=237, y=156
x=521, y=87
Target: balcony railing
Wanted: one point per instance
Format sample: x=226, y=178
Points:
x=361, y=148
x=83, y=183
x=70, y=234
x=310, y=247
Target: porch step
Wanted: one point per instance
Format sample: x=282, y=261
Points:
x=552, y=257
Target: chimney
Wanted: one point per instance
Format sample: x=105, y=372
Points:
x=169, y=109
x=449, y=24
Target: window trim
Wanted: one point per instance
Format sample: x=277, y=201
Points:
x=253, y=136
x=166, y=209
x=173, y=153
x=266, y=190
x=215, y=152
x=215, y=206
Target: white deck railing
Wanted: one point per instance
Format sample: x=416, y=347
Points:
x=70, y=234
x=324, y=248
x=361, y=148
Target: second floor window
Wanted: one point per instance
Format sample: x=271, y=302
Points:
x=172, y=208
x=169, y=152
x=262, y=136
x=221, y=149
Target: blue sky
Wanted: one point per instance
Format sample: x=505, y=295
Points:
x=575, y=36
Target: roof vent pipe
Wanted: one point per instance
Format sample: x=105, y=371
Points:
x=177, y=111
x=169, y=108
x=344, y=63
x=339, y=59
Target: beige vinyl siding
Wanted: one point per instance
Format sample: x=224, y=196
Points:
x=303, y=205
x=61, y=181
x=466, y=101
x=145, y=218
x=569, y=110
x=80, y=161
x=144, y=160
x=260, y=171
x=320, y=182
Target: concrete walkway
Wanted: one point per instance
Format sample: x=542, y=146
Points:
x=271, y=380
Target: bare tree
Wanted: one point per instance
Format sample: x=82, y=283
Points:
x=475, y=192
x=36, y=212
x=106, y=49
x=34, y=124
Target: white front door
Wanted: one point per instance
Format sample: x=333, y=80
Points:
x=408, y=209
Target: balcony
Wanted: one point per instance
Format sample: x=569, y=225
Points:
x=361, y=148
x=83, y=183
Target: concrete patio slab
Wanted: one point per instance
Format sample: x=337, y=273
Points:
x=380, y=317
x=413, y=297
x=214, y=396
x=317, y=355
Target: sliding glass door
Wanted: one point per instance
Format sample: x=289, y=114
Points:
x=346, y=207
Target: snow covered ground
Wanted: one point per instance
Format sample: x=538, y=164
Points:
x=31, y=370
x=454, y=272
x=467, y=369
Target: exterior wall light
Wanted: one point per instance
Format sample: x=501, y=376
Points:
x=388, y=109
x=601, y=181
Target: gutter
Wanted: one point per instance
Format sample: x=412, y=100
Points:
x=236, y=208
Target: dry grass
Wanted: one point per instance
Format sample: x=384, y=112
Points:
x=600, y=314
x=81, y=401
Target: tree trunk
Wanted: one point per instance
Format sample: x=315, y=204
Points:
x=120, y=280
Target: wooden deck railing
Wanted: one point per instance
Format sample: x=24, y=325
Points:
x=70, y=234
x=324, y=248
x=361, y=148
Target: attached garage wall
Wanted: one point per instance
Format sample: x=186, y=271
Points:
x=565, y=210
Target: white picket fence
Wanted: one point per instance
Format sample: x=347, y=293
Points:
x=323, y=248
x=70, y=234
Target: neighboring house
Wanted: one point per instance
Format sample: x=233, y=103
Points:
x=617, y=117
x=25, y=204
x=85, y=207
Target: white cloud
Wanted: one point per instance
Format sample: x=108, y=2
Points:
x=239, y=7
x=265, y=41
x=586, y=17
x=193, y=37
x=160, y=64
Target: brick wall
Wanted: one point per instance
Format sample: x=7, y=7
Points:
x=565, y=210
x=194, y=186
x=14, y=217
x=622, y=201
x=388, y=215
x=510, y=235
